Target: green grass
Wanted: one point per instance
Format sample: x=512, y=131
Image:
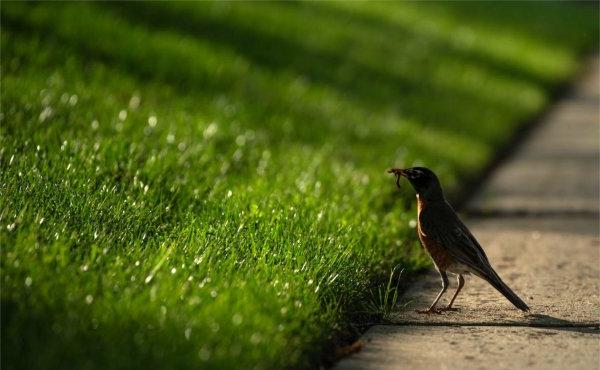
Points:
x=202, y=185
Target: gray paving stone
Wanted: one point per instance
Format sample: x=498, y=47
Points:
x=557, y=171
x=474, y=347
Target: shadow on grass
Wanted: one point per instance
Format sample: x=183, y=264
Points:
x=311, y=122
x=379, y=88
x=532, y=19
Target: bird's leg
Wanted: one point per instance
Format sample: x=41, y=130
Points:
x=432, y=309
x=461, y=283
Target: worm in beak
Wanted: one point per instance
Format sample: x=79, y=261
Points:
x=398, y=172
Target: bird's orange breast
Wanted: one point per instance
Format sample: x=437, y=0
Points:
x=440, y=256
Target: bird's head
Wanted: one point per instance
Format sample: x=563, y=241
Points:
x=423, y=180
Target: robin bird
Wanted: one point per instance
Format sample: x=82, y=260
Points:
x=447, y=240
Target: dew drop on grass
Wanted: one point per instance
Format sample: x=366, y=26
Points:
x=153, y=293
x=46, y=99
x=255, y=338
x=134, y=102
x=95, y=124
x=237, y=155
x=187, y=333
x=236, y=319
x=89, y=299
x=412, y=224
x=123, y=115
x=210, y=131
x=28, y=281
x=45, y=114
x=152, y=121
x=240, y=140
x=213, y=293
x=173, y=270
x=204, y=354
x=73, y=100
x=11, y=227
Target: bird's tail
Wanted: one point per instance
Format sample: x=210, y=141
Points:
x=500, y=286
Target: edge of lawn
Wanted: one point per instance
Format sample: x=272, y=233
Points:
x=346, y=341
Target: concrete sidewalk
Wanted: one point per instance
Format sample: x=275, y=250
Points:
x=538, y=220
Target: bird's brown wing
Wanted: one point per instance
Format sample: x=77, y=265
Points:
x=440, y=223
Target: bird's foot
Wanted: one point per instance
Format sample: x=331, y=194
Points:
x=429, y=311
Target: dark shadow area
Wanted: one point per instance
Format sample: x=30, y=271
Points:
x=271, y=51
x=274, y=106
x=551, y=322
x=529, y=17
x=189, y=81
x=470, y=55
x=353, y=79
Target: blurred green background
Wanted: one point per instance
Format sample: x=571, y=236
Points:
x=202, y=185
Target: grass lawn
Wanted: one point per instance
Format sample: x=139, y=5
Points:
x=202, y=185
